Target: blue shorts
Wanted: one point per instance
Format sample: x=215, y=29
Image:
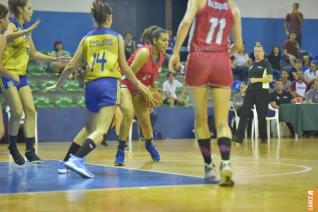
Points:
x=6, y=83
x=101, y=92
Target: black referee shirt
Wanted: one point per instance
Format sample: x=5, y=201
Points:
x=259, y=70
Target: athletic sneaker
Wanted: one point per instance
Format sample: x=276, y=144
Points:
x=120, y=158
x=226, y=175
x=209, y=172
x=152, y=150
x=77, y=164
x=62, y=169
x=32, y=157
x=17, y=157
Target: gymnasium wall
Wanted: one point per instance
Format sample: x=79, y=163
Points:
x=262, y=20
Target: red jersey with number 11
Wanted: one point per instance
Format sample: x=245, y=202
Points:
x=212, y=27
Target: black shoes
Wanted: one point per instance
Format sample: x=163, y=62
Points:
x=32, y=157
x=17, y=157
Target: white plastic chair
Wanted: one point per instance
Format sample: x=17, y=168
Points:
x=275, y=118
x=22, y=122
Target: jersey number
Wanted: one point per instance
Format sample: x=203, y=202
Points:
x=214, y=23
x=102, y=60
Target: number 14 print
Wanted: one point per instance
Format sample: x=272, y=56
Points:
x=102, y=60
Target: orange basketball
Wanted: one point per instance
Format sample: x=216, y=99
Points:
x=158, y=99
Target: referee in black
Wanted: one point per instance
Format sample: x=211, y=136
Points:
x=257, y=93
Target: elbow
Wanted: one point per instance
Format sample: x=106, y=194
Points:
x=186, y=23
x=238, y=46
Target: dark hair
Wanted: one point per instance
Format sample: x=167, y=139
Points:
x=56, y=43
x=151, y=33
x=14, y=4
x=3, y=11
x=296, y=4
x=101, y=10
x=279, y=53
x=171, y=73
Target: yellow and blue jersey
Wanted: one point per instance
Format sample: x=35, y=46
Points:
x=101, y=49
x=16, y=55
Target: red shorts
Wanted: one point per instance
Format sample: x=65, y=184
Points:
x=206, y=68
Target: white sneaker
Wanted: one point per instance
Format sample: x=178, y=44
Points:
x=226, y=175
x=62, y=169
x=209, y=172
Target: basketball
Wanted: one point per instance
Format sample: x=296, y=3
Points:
x=157, y=96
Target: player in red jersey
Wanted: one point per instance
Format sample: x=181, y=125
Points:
x=208, y=65
x=145, y=62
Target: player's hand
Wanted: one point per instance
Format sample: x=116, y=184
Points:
x=50, y=88
x=147, y=94
x=174, y=62
x=15, y=77
x=33, y=26
x=63, y=59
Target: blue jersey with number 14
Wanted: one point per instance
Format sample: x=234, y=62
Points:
x=101, y=51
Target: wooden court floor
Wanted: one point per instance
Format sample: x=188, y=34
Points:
x=272, y=177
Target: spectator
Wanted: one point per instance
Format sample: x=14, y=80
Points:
x=312, y=94
x=238, y=98
x=292, y=49
x=274, y=58
x=311, y=74
x=172, y=41
x=293, y=72
x=130, y=44
x=280, y=96
x=299, y=86
x=286, y=82
x=58, y=67
x=241, y=64
x=169, y=89
x=294, y=21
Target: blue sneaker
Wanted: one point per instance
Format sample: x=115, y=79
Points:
x=120, y=158
x=62, y=169
x=152, y=150
x=77, y=164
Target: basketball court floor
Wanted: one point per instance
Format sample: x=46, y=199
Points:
x=270, y=177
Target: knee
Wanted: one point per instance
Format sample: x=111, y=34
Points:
x=16, y=114
x=128, y=114
x=201, y=119
x=30, y=112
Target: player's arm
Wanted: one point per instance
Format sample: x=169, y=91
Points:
x=3, y=71
x=237, y=29
x=70, y=67
x=142, y=57
x=38, y=55
x=184, y=27
x=12, y=33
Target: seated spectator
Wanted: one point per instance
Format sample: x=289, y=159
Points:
x=312, y=94
x=311, y=74
x=238, y=98
x=299, y=86
x=274, y=58
x=286, y=82
x=172, y=41
x=280, y=96
x=240, y=64
x=58, y=67
x=169, y=89
x=293, y=72
x=130, y=44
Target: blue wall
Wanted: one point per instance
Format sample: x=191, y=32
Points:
x=64, y=124
x=71, y=27
x=271, y=32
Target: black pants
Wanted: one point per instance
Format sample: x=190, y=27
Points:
x=259, y=97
